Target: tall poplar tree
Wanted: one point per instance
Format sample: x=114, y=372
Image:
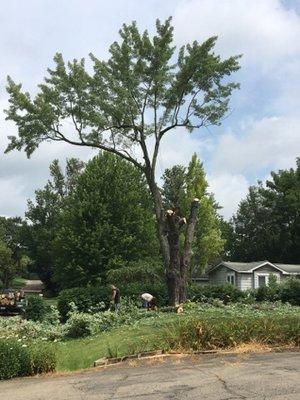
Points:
x=181, y=185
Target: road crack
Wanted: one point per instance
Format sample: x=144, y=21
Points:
x=228, y=389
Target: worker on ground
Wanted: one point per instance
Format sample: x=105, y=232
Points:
x=149, y=301
x=115, y=298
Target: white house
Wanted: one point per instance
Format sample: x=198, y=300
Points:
x=250, y=275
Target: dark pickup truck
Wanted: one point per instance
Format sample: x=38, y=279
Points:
x=11, y=303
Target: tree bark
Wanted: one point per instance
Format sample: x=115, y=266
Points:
x=173, y=271
x=160, y=223
x=187, y=250
x=169, y=226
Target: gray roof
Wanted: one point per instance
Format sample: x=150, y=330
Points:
x=242, y=266
x=250, y=266
x=290, y=268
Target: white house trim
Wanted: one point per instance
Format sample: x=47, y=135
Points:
x=230, y=278
x=272, y=265
x=266, y=275
x=249, y=271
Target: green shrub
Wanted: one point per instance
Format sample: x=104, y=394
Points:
x=290, y=291
x=83, y=298
x=134, y=290
x=19, y=360
x=13, y=359
x=36, y=308
x=42, y=359
x=204, y=293
x=270, y=292
x=90, y=299
x=229, y=331
x=79, y=325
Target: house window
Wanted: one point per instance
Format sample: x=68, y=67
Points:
x=231, y=279
x=262, y=281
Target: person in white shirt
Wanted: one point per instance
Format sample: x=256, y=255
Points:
x=149, y=301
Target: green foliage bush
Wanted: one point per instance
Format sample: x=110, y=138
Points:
x=13, y=359
x=79, y=325
x=36, y=308
x=88, y=299
x=41, y=359
x=211, y=332
x=208, y=292
x=134, y=290
x=290, y=291
x=84, y=299
x=287, y=291
x=19, y=360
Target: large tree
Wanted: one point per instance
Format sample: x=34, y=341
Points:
x=267, y=223
x=107, y=223
x=141, y=92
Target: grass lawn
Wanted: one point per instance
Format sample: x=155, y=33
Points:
x=81, y=353
x=18, y=283
x=51, y=301
x=210, y=329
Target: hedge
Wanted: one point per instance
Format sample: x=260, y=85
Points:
x=18, y=360
x=83, y=297
x=226, y=292
x=229, y=331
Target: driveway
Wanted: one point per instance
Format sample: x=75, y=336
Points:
x=268, y=376
x=33, y=285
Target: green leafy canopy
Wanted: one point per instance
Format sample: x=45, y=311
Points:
x=142, y=89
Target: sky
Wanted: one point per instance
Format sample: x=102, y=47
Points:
x=260, y=134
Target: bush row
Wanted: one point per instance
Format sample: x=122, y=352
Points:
x=201, y=293
x=94, y=299
x=230, y=331
x=84, y=298
x=20, y=360
x=288, y=291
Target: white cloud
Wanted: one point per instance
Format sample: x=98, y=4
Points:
x=12, y=201
x=229, y=189
x=264, y=31
x=178, y=147
x=269, y=143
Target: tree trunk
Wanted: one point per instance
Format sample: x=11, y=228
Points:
x=168, y=230
x=187, y=250
x=173, y=271
x=169, y=245
x=160, y=223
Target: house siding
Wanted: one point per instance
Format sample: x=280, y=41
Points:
x=266, y=269
x=247, y=280
x=244, y=281
x=219, y=275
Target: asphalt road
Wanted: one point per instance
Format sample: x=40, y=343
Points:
x=259, y=376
